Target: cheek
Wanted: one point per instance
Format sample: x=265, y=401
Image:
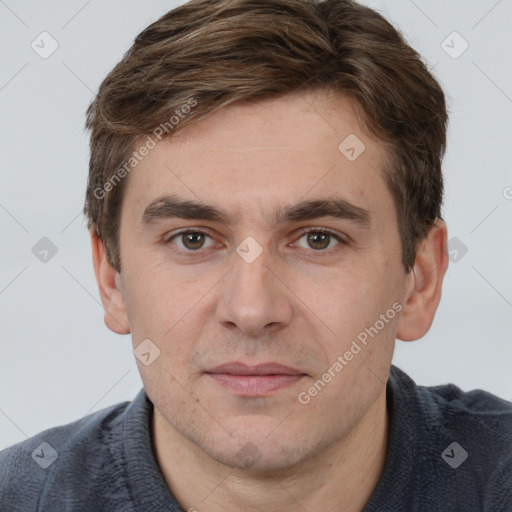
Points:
x=352, y=295
x=352, y=305
x=156, y=300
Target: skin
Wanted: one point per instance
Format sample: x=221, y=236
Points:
x=299, y=303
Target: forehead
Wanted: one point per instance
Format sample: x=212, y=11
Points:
x=250, y=156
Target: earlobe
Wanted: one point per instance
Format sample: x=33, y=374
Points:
x=424, y=285
x=110, y=288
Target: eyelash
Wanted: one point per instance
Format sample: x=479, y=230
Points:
x=200, y=252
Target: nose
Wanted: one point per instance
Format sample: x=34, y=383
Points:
x=253, y=298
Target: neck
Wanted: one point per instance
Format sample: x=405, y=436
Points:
x=341, y=478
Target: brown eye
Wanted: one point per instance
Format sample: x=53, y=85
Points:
x=318, y=240
x=191, y=241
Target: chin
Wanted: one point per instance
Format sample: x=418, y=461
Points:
x=259, y=449
x=252, y=442
x=254, y=457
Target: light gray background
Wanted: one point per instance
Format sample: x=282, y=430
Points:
x=58, y=360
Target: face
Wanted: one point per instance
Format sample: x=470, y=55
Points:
x=256, y=254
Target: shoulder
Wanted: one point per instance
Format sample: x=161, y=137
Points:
x=475, y=410
x=451, y=405
x=77, y=449
x=481, y=425
x=466, y=440
x=476, y=416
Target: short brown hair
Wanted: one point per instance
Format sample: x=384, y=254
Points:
x=221, y=52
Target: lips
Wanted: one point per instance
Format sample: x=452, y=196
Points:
x=258, y=370
x=258, y=380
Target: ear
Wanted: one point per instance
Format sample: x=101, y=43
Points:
x=110, y=287
x=424, y=283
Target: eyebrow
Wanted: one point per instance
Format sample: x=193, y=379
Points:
x=168, y=207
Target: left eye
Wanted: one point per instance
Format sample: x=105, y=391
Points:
x=191, y=240
x=319, y=240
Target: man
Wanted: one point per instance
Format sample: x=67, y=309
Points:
x=264, y=203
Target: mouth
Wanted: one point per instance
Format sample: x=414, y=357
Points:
x=259, y=380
